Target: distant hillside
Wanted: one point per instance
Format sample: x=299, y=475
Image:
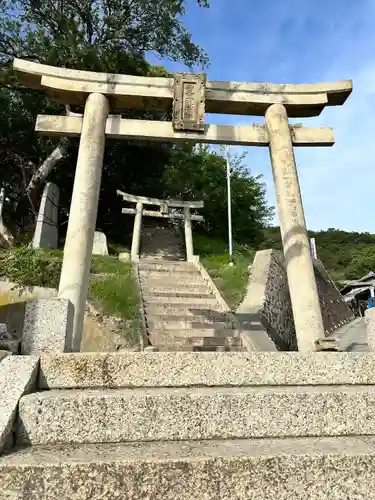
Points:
x=345, y=255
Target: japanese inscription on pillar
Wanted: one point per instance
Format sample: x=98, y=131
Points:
x=290, y=192
x=189, y=101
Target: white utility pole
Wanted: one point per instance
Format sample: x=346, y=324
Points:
x=313, y=248
x=229, y=208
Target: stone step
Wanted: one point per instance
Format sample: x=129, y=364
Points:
x=162, y=247
x=161, y=250
x=175, y=291
x=148, y=252
x=160, y=275
x=167, y=266
x=193, y=340
x=166, y=323
x=198, y=349
x=172, y=280
x=161, y=414
x=191, y=332
x=173, y=308
x=135, y=369
x=262, y=469
x=192, y=301
x=163, y=257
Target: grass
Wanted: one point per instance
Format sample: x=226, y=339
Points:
x=230, y=280
x=116, y=294
x=113, y=292
x=108, y=265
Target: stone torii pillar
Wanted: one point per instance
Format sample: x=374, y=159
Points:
x=136, y=240
x=188, y=235
x=299, y=266
x=83, y=211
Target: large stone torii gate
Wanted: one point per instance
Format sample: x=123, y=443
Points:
x=189, y=95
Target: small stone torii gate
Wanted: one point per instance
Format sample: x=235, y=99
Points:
x=188, y=96
x=163, y=213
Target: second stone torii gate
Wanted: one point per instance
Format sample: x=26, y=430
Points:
x=188, y=96
x=163, y=213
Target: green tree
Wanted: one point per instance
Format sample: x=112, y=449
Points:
x=346, y=255
x=362, y=262
x=96, y=34
x=200, y=174
x=99, y=35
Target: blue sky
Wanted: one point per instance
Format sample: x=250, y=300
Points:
x=303, y=41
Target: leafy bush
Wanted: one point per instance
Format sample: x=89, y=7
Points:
x=28, y=267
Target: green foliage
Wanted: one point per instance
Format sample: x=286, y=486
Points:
x=112, y=36
x=231, y=280
x=116, y=295
x=362, y=262
x=108, y=265
x=98, y=32
x=101, y=35
x=200, y=174
x=345, y=255
x=27, y=268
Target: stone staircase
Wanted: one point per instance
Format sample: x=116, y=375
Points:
x=181, y=310
x=207, y=426
x=161, y=240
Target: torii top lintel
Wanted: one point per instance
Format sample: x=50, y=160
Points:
x=124, y=91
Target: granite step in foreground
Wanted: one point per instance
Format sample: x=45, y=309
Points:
x=167, y=414
x=266, y=469
x=166, y=426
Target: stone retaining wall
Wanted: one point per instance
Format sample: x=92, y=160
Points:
x=268, y=300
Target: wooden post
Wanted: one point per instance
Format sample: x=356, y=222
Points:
x=188, y=235
x=137, y=232
x=299, y=267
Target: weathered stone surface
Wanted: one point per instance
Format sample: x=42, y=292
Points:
x=224, y=97
x=74, y=279
x=160, y=240
x=12, y=346
x=283, y=469
x=124, y=256
x=267, y=306
x=46, y=230
x=47, y=326
x=99, y=246
x=370, y=327
x=174, y=369
x=18, y=375
x=296, y=246
x=4, y=354
x=7, y=341
x=97, y=416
